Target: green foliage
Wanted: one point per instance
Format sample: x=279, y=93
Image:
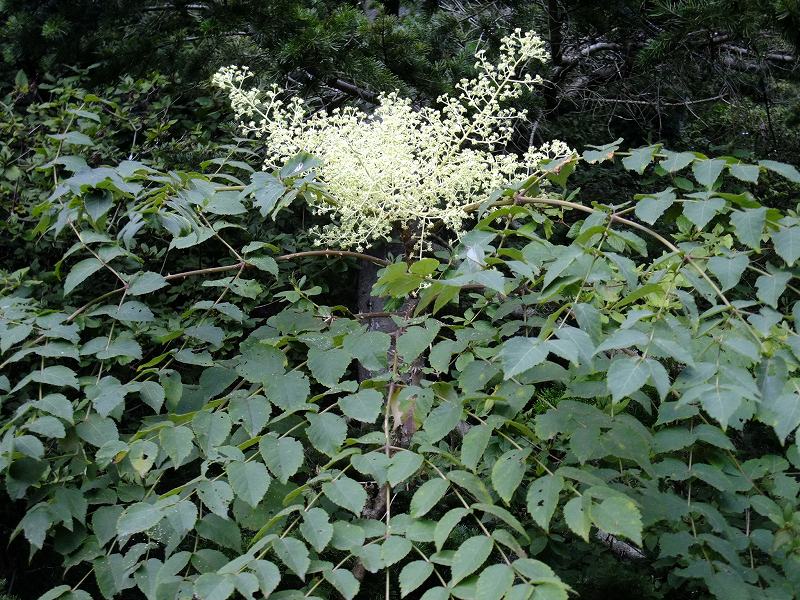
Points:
x=183, y=416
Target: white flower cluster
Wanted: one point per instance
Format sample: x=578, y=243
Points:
x=401, y=166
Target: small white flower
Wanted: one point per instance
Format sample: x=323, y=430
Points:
x=398, y=165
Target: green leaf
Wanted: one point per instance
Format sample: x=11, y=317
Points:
x=650, y=208
x=370, y=348
x=639, y=159
x=316, y=528
x=771, y=287
x=675, y=161
x=446, y=524
x=577, y=517
x=788, y=171
x=177, y=443
x=326, y=432
x=283, y=456
x=56, y=375
x=294, y=554
x=413, y=575
x=97, y=430
x=346, y=493
x=328, y=366
x=211, y=430
x=508, y=471
x=259, y=362
x=542, y=499
x=494, y=582
x=787, y=243
x=707, y=171
x=365, y=405
x=620, y=517
x=474, y=445
x=700, y=212
x=394, y=549
x=344, y=582
x=625, y=376
x=249, y=480
x=47, y=426
x=469, y=557
x=253, y=412
x=749, y=225
x=137, y=518
x=427, y=496
x=415, y=340
x=213, y=586
x=267, y=574
x=743, y=172
x=442, y=420
x=264, y=263
x=728, y=270
x=403, y=465
x=146, y=282
x=519, y=354
x=288, y=391
x=222, y=531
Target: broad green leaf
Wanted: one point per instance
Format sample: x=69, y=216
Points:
x=80, y=272
x=508, y=471
x=364, y=406
x=675, y=161
x=427, y=496
x=578, y=518
x=625, y=376
x=416, y=339
x=259, y=362
x=138, y=517
x=146, y=282
x=519, y=354
x=442, y=420
x=56, y=375
x=326, y=432
x=267, y=574
x=707, y=171
x=413, y=575
x=328, y=366
x=494, y=582
x=743, y=172
x=749, y=225
x=253, y=412
x=213, y=586
x=402, y=466
x=346, y=493
x=650, y=208
x=294, y=554
x=542, y=499
x=619, y=516
x=211, y=429
x=394, y=549
x=288, y=391
x=771, y=287
x=283, y=456
x=249, y=480
x=344, y=582
x=728, y=270
x=97, y=430
x=700, y=212
x=469, y=557
x=221, y=531
x=787, y=243
x=446, y=524
x=47, y=426
x=316, y=528
x=788, y=171
x=474, y=445
x=177, y=443
x=639, y=159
